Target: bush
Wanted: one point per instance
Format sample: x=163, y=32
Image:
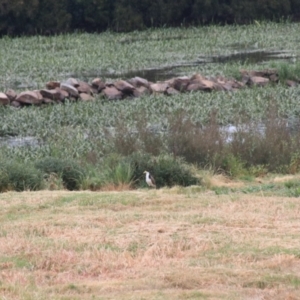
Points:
x=71, y=173
x=167, y=170
x=116, y=171
x=19, y=177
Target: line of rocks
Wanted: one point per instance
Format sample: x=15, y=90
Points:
x=74, y=89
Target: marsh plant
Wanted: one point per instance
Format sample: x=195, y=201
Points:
x=69, y=171
x=19, y=177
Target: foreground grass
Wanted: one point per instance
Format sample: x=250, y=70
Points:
x=180, y=243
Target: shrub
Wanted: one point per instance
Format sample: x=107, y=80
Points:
x=19, y=177
x=170, y=171
x=167, y=170
x=4, y=179
x=196, y=143
x=116, y=171
x=233, y=165
x=71, y=173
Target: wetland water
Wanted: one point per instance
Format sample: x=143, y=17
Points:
x=164, y=73
x=167, y=72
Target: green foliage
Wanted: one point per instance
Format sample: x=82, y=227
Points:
x=167, y=170
x=287, y=71
x=170, y=171
x=117, y=171
x=233, y=166
x=26, y=17
x=19, y=177
x=71, y=173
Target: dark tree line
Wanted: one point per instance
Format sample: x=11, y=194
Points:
x=55, y=16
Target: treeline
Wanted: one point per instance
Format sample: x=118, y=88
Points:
x=56, y=16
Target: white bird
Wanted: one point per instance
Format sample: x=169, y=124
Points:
x=150, y=179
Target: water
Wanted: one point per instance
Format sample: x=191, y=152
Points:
x=13, y=141
x=165, y=73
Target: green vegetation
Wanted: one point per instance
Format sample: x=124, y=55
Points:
x=56, y=16
x=70, y=172
x=114, y=142
x=18, y=177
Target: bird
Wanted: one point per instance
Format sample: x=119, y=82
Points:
x=150, y=179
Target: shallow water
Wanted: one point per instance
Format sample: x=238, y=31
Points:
x=164, y=73
x=13, y=141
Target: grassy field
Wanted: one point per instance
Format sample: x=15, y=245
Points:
x=179, y=243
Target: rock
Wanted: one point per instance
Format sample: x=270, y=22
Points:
x=72, y=81
x=54, y=94
x=124, y=87
x=138, y=82
x=51, y=85
x=63, y=94
x=258, y=81
x=84, y=87
x=30, y=97
x=180, y=83
x=15, y=104
x=171, y=91
x=291, y=83
x=274, y=78
x=38, y=93
x=201, y=84
x=160, y=87
x=48, y=101
x=197, y=77
x=85, y=97
x=112, y=93
x=98, y=84
x=140, y=91
x=4, y=100
x=237, y=84
x=11, y=94
x=72, y=91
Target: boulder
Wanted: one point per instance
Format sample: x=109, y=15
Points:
x=124, y=87
x=51, y=85
x=159, y=87
x=258, y=81
x=30, y=97
x=201, y=84
x=98, y=84
x=15, y=104
x=4, y=100
x=72, y=91
x=84, y=87
x=63, y=94
x=85, y=97
x=54, y=94
x=72, y=81
x=291, y=83
x=11, y=94
x=180, y=83
x=140, y=91
x=111, y=93
x=274, y=78
x=138, y=82
x=197, y=77
x=171, y=91
x=48, y=101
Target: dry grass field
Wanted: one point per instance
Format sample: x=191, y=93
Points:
x=179, y=243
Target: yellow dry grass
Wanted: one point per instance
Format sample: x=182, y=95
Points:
x=177, y=243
